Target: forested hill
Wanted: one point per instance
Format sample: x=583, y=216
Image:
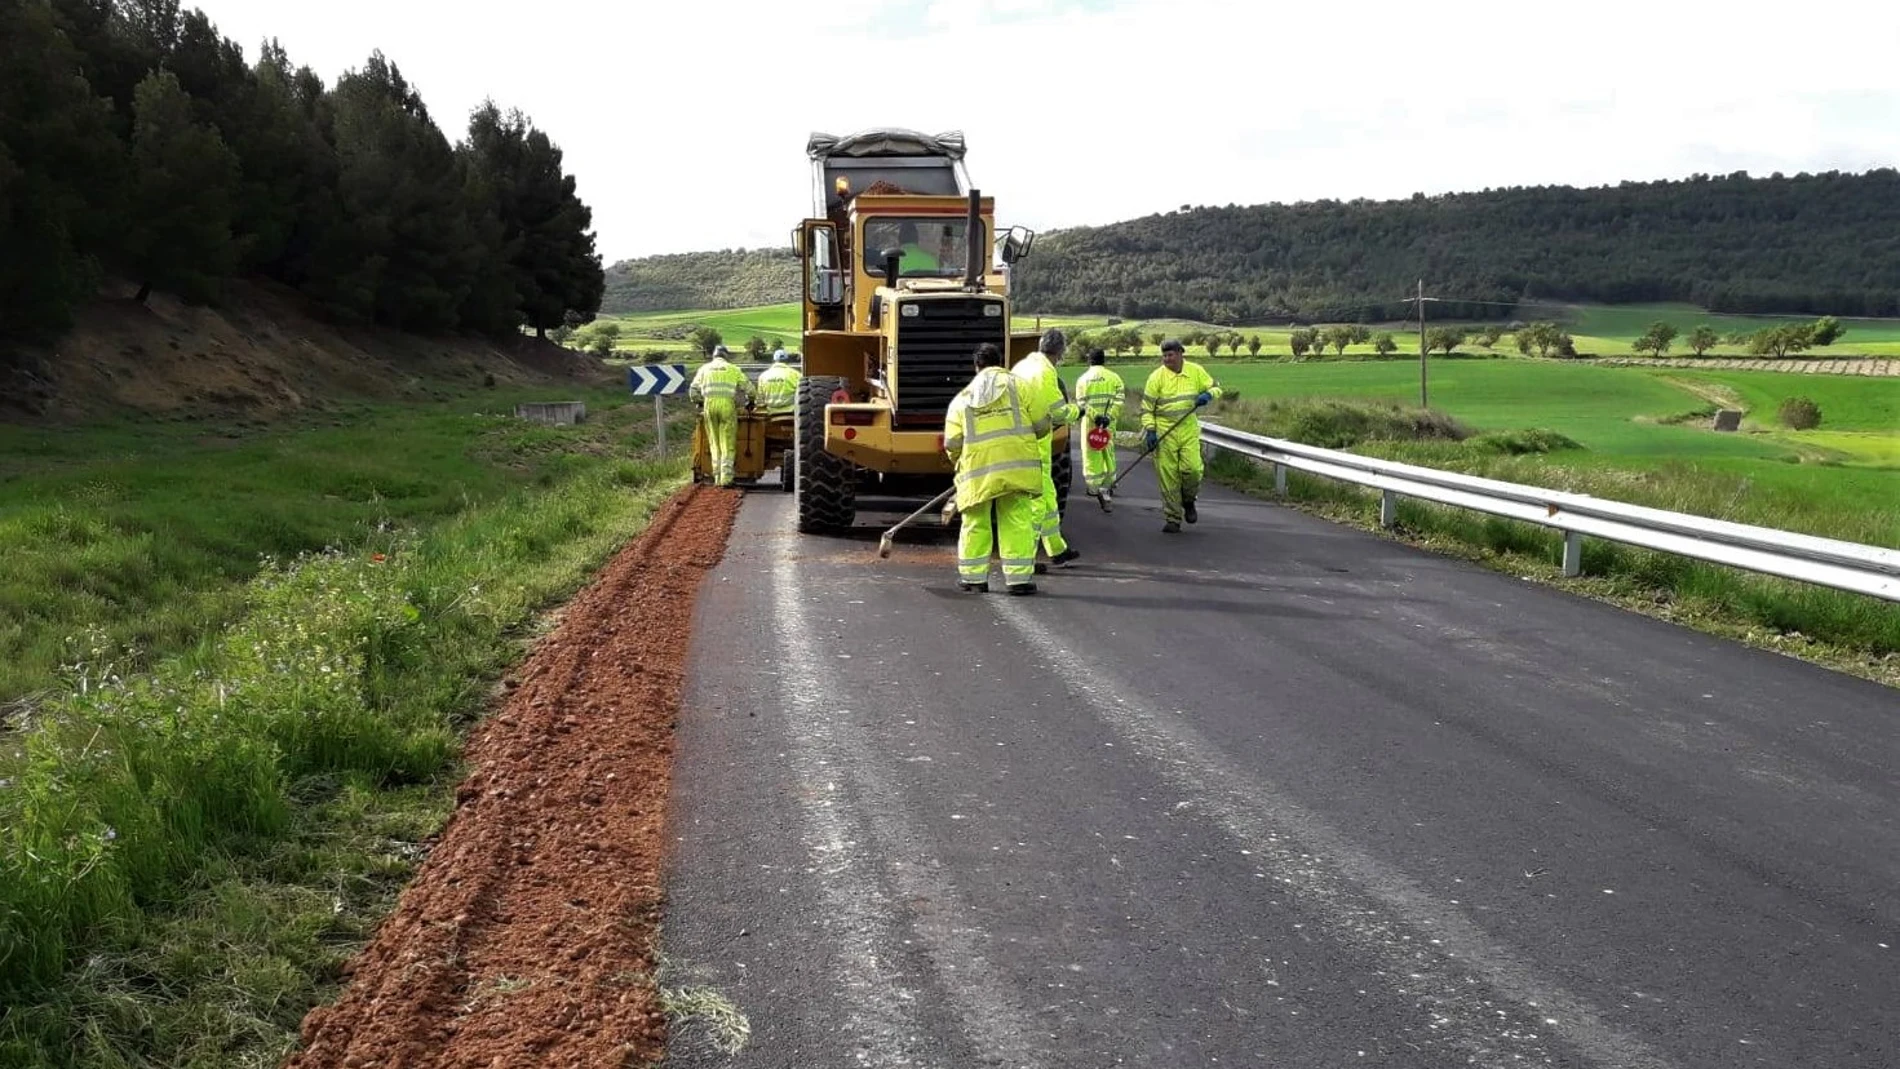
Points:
x=136, y=141
x=744, y=278
x=1813, y=244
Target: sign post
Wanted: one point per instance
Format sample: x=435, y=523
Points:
x=657, y=381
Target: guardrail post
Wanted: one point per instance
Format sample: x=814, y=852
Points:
x=1279, y=479
x=1388, y=508
x=1573, y=554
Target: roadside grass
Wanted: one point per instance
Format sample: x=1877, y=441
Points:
x=148, y=529
x=192, y=843
x=1834, y=502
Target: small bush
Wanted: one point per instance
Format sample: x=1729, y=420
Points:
x=1800, y=414
x=1522, y=443
x=1344, y=424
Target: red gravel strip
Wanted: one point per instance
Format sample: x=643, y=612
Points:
x=526, y=937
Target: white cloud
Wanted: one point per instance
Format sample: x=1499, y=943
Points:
x=685, y=124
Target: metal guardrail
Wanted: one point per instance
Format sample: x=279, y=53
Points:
x=1823, y=561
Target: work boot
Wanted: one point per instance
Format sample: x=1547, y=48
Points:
x=1019, y=589
x=1107, y=499
x=1066, y=556
x=974, y=588
x=1171, y=527
x=1187, y=510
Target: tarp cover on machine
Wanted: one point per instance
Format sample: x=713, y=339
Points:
x=886, y=142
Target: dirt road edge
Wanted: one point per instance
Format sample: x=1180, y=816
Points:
x=526, y=937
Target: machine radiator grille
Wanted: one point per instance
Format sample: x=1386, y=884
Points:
x=935, y=353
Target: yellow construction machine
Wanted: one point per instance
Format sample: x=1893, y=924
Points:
x=763, y=441
x=898, y=291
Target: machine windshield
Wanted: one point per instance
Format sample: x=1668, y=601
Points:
x=933, y=246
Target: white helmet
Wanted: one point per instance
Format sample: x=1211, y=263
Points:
x=782, y=356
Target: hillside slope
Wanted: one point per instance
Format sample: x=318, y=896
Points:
x=743, y=278
x=1811, y=244
x=261, y=352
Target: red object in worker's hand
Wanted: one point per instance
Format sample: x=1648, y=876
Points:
x=1098, y=438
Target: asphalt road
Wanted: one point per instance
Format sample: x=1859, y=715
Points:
x=1268, y=792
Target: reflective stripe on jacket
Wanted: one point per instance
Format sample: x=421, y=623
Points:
x=993, y=431
x=718, y=379
x=1101, y=393
x=1039, y=374
x=1168, y=397
x=778, y=388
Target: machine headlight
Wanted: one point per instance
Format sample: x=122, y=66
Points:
x=909, y=311
x=993, y=311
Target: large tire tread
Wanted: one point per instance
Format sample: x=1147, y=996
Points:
x=824, y=486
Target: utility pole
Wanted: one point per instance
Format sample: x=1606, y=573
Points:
x=1424, y=398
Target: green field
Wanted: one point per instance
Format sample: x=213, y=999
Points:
x=1614, y=412
x=1600, y=330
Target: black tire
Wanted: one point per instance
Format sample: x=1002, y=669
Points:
x=1062, y=473
x=824, y=486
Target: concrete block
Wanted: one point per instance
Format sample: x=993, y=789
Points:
x=558, y=413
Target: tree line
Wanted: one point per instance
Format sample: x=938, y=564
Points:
x=1802, y=245
x=136, y=141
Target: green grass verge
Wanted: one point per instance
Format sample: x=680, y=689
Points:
x=1863, y=632
x=147, y=530
x=191, y=849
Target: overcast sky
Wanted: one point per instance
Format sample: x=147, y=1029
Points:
x=685, y=122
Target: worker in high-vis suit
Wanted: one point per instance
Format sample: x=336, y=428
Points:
x=1038, y=372
x=718, y=388
x=1169, y=399
x=1100, y=393
x=994, y=433
x=778, y=386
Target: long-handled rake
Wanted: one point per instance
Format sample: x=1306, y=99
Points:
x=884, y=543
x=1123, y=474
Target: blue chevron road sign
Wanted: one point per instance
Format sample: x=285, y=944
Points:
x=656, y=380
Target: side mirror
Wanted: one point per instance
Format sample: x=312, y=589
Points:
x=1017, y=242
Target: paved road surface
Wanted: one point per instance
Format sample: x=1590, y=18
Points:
x=1270, y=792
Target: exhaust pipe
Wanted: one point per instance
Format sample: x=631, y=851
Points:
x=972, y=269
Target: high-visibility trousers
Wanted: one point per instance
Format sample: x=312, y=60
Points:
x=1007, y=525
x=721, y=420
x=1098, y=466
x=1178, y=464
x=1048, y=515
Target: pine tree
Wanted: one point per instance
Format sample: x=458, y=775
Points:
x=178, y=232
x=61, y=172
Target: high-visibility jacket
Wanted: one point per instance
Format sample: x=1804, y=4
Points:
x=719, y=380
x=993, y=432
x=1168, y=397
x=917, y=258
x=1100, y=393
x=778, y=389
x=1045, y=384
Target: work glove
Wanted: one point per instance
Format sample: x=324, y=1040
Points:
x=1102, y=422
x=1202, y=398
x=1151, y=440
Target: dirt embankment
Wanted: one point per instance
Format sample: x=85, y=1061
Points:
x=262, y=352
x=526, y=937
